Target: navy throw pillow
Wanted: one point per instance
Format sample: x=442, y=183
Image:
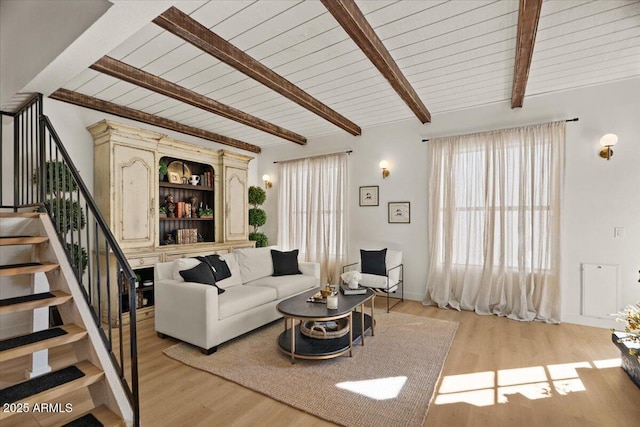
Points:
x=374, y=262
x=201, y=273
x=285, y=263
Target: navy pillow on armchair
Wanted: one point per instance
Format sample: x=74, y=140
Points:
x=374, y=262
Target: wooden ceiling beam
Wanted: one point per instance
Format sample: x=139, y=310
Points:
x=528, y=17
x=349, y=16
x=140, y=116
x=138, y=77
x=185, y=27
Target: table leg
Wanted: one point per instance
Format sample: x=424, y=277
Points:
x=293, y=341
x=373, y=300
x=362, y=323
x=351, y=334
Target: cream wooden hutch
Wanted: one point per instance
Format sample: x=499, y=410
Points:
x=129, y=193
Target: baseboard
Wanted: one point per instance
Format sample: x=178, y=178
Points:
x=592, y=321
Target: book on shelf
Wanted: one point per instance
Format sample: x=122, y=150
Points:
x=186, y=236
x=346, y=290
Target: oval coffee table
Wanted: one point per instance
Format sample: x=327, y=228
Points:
x=296, y=344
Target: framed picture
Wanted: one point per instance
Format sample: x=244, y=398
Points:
x=399, y=212
x=369, y=196
x=174, y=178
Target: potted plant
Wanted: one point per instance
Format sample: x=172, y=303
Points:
x=162, y=212
x=257, y=216
x=163, y=169
x=205, y=212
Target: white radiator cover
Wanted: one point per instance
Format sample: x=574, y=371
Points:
x=599, y=290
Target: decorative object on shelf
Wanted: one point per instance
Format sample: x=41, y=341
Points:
x=346, y=290
x=194, y=202
x=181, y=168
x=267, y=181
x=168, y=239
x=162, y=170
x=399, y=212
x=171, y=206
x=369, y=195
x=162, y=212
x=205, y=212
x=352, y=278
x=194, y=180
x=257, y=216
x=608, y=141
x=325, y=330
x=174, y=178
x=384, y=165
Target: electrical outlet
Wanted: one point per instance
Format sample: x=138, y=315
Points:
x=618, y=232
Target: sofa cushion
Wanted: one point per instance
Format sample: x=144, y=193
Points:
x=374, y=262
x=238, y=299
x=234, y=268
x=201, y=273
x=286, y=286
x=183, y=264
x=254, y=263
x=285, y=263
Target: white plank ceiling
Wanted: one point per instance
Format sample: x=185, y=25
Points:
x=456, y=55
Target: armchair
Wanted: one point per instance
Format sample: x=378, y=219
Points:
x=381, y=271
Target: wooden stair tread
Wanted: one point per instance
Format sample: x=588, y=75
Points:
x=73, y=333
x=58, y=298
x=103, y=414
x=30, y=268
x=22, y=240
x=92, y=374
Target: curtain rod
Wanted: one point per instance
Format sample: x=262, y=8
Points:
x=311, y=157
x=575, y=119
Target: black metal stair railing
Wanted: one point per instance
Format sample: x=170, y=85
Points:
x=46, y=178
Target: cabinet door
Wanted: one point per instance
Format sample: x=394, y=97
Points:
x=134, y=196
x=236, y=219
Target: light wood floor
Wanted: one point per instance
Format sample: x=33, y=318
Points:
x=533, y=358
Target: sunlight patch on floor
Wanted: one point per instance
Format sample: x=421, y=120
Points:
x=533, y=382
x=377, y=389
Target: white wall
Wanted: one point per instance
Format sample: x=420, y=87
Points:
x=599, y=194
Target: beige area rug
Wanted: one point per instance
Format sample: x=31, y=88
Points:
x=388, y=382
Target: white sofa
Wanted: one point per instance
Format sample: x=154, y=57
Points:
x=195, y=313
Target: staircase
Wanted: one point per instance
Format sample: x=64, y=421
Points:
x=27, y=252
x=60, y=267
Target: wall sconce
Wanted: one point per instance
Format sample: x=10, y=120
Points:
x=267, y=182
x=608, y=141
x=384, y=165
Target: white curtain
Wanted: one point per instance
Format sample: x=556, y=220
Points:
x=312, y=217
x=494, y=222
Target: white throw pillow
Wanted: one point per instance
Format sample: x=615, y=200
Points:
x=183, y=264
x=254, y=263
x=235, y=278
